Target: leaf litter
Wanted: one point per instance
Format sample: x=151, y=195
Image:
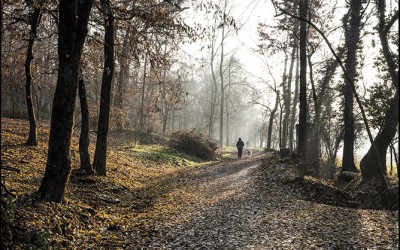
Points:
x=150, y=204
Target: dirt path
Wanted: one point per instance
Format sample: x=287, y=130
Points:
x=225, y=215
x=236, y=209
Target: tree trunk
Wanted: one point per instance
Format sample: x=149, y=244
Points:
x=84, y=137
x=141, y=125
x=123, y=75
x=227, y=142
x=214, y=85
x=221, y=75
x=284, y=97
x=34, y=21
x=370, y=162
x=352, y=38
x=71, y=36
x=294, y=109
x=302, y=148
x=271, y=121
x=100, y=156
x=288, y=95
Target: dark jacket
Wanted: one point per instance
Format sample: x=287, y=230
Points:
x=240, y=144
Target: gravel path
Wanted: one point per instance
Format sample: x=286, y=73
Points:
x=236, y=209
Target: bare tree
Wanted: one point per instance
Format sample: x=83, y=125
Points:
x=72, y=34
x=376, y=155
x=351, y=22
x=34, y=18
x=100, y=156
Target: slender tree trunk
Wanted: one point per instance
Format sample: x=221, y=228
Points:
x=227, y=105
x=221, y=75
x=214, y=85
x=271, y=121
x=284, y=97
x=84, y=137
x=294, y=109
x=100, y=156
x=165, y=108
x=141, y=125
x=71, y=36
x=124, y=60
x=302, y=143
x=288, y=95
x=34, y=21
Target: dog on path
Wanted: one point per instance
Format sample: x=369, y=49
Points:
x=249, y=153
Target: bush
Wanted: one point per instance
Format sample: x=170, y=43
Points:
x=194, y=144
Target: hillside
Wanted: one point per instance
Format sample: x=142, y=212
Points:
x=157, y=198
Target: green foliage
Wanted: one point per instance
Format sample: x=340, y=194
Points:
x=7, y=219
x=34, y=239
x=194, y=144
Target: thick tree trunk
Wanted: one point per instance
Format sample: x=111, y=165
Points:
x=100, y=156
x=71, y=36
x=302, y=148
x=352, y=38
x=376, y=157
x=84, y=137
x=28, y=85
x=370, y=162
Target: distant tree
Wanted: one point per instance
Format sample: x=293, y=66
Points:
x=71, y=36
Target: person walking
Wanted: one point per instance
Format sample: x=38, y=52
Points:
x=240, y=145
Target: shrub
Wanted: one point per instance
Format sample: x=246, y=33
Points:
x=194, y=144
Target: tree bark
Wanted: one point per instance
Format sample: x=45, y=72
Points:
x=34, y=21
x=352, y=39
x=376, y=157
x=288, y=95
x=84, y=136
x=294, y=108
x=123, y=75
x=284, y=97
x=271, y=121
x=100, y=156
x=221, y=75
x=141, y=123
x=71, y=36
x=302, y=148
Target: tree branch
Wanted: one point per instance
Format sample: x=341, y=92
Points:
x=394, y=18
x=347, y=78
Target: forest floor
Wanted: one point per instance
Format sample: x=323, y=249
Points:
x=148, y=202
